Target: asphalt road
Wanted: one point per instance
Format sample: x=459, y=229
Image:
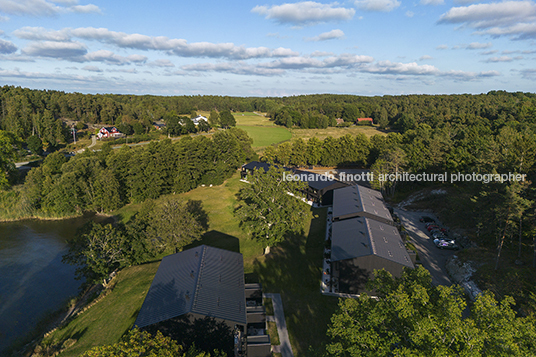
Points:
x=432, y=258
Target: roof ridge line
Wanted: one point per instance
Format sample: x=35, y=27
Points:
x=371, y=237
x=199, y=273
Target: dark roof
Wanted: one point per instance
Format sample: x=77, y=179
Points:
x=317, y=181
x=255, y=165
x=202, y=280
x=359, y=237
x=358, y=200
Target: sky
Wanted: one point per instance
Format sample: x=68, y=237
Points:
x=269, y=48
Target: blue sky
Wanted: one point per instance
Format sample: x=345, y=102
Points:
x=269, y=48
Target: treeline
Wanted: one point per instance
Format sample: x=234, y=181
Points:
x=26, y=112
x=403, y=112
x=107, y=180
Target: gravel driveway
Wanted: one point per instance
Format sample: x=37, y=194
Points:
x=432, y=258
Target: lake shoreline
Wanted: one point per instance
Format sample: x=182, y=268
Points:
x=56, y=218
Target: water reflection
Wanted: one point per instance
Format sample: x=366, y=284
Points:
x=33, y=280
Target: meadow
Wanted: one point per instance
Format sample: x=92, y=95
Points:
x=293, y=270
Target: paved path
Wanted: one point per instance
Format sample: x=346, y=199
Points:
x=279, y=316
x=93, y=143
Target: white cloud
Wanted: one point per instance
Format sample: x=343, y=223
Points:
x=54, y=49
x=7, y=47
x=42, y=34
x=512, y=18
x=321, y=54
x=425, y=57
x=112, y=58
x=503, y=59
x=468, y=76
x=432, y=2
x=44, y=8
x=478, y=46
x=92, y=69
x=177, y=47
x=388, y=67
x=305, y=13
x=442, y=47
x=377, y=5
x=330, y=35
x=161, y=63
x=410, y=14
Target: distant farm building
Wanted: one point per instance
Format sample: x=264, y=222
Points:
x=198, y=119
x=206, y=282
x=109, y=132
x=364, y=121
x=159, y=124
x=339, y=121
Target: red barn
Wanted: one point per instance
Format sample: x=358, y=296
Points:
x=108, y=132
x=364, y=120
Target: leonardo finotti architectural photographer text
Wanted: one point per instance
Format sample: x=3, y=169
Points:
x=407, y=177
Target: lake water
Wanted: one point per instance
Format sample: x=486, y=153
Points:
x=33, y=280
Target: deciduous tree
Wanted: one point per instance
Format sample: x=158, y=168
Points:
x=271, y=206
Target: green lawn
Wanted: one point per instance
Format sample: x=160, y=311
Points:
x=263, y=131
x=294, y=270
x=110, y=318
x=264, y=136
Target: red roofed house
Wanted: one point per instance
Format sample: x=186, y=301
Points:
x=108, y=132
x=364, y=120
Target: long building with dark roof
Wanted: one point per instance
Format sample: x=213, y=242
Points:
x=361, y=245
x=360, y=201
x=199, y=282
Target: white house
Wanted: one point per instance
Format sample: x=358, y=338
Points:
x=109, y=132
x=198, y=119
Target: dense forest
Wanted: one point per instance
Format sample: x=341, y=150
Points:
x=27, y=112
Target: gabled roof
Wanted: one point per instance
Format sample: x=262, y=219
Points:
x=357, y=200
x=202, y=280
x=359, y=237
x=318, y=181
x=255, y=165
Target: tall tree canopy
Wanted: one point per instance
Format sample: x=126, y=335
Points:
x=412, y=317
x=271, y=206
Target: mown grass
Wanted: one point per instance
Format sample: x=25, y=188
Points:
x=265, y=136
x=110, y=318
x=272, y=331
x=336, y=132
x=263, y=131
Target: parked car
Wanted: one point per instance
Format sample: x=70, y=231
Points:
x=439, y=235
x=432, y=226
x=427, y=219
x=446, y=244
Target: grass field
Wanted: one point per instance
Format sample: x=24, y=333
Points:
x=293, y=270
x=263, y=131
x=336, y=132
